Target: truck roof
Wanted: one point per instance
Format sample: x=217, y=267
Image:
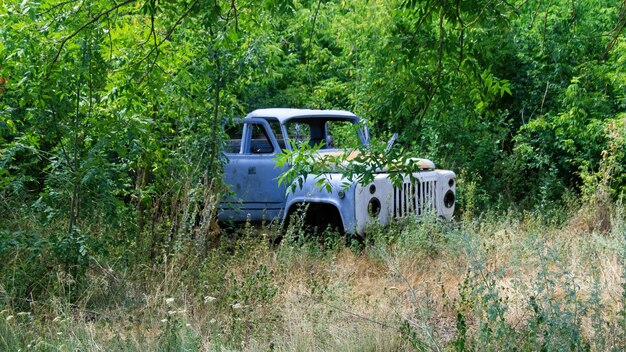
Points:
x=284, y=114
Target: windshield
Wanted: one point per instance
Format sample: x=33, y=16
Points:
x=328, y=133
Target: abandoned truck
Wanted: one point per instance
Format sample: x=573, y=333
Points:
x=252, y=174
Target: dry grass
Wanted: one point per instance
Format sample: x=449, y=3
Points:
x=407, y=289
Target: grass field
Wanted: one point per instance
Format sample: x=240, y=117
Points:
x=501, y=281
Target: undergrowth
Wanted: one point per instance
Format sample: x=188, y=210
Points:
x=504, y=281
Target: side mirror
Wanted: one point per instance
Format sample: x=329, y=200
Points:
x=392, y=140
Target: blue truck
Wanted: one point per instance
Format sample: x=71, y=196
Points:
x=252, y=174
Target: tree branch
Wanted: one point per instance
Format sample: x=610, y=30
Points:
x=515, y=8
x=439, y=67
x=85, y=25
x=56, y=6
x=461, y=35
x=619, y=27
x=233, y=6
x=167, y=35
x=545, y=23
x=308, y=54
x=110, y=38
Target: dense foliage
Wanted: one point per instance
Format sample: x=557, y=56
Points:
x=112, y=113
x=106, y=107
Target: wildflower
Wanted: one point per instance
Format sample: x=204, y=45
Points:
x=9, y=318
x=178, y=311
x=169, y=300
x=237, y=306
x=212, y=321
x=163, y=320
x=208, y=299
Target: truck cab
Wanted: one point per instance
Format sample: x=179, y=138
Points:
x=252, y=174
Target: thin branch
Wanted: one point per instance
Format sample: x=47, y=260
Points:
x=152, y=28
x=169, y=32
x=428, y=334
x=110, y=38
x=66, y=155
x=56, y=6
x=423, y=17
x=308, y=54
x=85, y=25
x=534, y=15
x=619, y=27
x=480, y=14
x=233, y=6
x=154, y=35
x=545, y=94
x=232, y=10
x=475, y=20
x=358, y=316
x=429, y=9
x=515, y=8
x=461, y=35
x=545, y=23
x=439, y=68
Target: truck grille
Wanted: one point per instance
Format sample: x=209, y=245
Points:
x=414, y=198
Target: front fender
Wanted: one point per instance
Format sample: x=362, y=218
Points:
x=342, y=199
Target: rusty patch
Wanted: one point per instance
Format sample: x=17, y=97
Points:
x=353, y=154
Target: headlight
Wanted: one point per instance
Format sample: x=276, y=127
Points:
x=448, y=199
x=373, y=207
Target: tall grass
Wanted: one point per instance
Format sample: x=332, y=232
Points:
x=504, y=281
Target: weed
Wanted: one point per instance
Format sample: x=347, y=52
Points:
x=504, y=281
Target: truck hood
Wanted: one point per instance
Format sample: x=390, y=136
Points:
x=422, y=164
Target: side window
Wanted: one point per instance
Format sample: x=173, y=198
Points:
x=233, y=144
x=260, y=142
x=298, y=132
